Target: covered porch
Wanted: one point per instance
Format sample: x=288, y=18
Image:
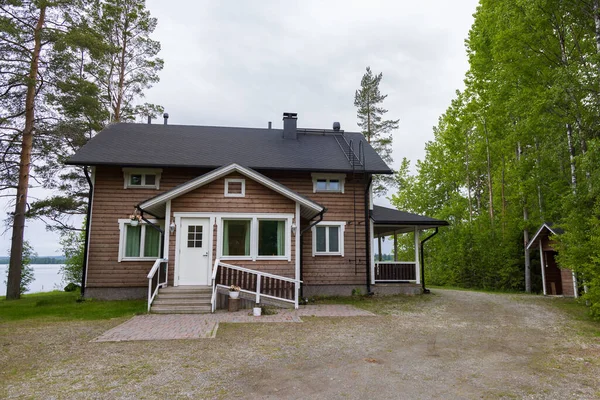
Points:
x=408, y=267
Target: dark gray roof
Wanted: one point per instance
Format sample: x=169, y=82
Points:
x=131, y=145
x=390, y=216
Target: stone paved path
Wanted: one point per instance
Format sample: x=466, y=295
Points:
x=197, y=326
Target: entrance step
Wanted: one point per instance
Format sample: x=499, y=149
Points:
x=182, y=300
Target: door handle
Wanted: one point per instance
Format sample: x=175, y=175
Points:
x=205, y=254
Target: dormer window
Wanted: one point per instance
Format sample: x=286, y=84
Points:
x=141, y=178
x=331, y=183
x=235, y=187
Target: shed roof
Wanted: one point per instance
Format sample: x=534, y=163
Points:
x=546, y=229
x=154, y=145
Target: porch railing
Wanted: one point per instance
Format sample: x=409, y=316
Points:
x=157, y=278
x=395, y=271
x=255, y=283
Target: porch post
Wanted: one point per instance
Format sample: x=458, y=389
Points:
x=395, y=246
x=372, y=253
x=380, y=255
x=417, y=258
x=297, y=251
x=542, y=267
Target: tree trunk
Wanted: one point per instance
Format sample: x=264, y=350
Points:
x=525, y=234
x=503, y=196
x=527, y=258
x=468, y=179
x=572, y=158
x=13, y=286
x=489, y=175
x=538, y=163
x=121, y=73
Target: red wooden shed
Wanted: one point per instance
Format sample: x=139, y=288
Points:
x=556, y=281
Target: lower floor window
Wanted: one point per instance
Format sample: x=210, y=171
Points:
x=141, y=241
x=247, y=236
x=236, y=237
x=328, y=239
x=271, y=238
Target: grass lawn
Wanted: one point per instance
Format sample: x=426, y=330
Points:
x=64, y=306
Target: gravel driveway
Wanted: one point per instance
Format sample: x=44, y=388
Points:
x=451, y=344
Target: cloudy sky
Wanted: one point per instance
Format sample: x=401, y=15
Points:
x=239, y=63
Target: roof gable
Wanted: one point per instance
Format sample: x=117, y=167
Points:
x=546, y=229
x=156, y=204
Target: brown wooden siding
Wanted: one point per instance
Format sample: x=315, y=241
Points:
x=112, y=202
x=332, y=270
x=567, y=282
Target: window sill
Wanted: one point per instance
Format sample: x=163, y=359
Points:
x=139, y=259
x=142, y=187
x=278, y=258
x=243, y=258
x=328, y=254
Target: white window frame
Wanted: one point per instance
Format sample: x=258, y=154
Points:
x=236, y=180
x=328, y=177
x=342, y=227
x=254, y=218
x=127, y=172
x=122, y=237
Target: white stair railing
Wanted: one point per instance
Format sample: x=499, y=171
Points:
x=157, y=278
x=255, y=283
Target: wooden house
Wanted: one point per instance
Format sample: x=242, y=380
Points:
x=183, y=212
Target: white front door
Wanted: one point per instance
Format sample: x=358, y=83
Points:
x=194, y=241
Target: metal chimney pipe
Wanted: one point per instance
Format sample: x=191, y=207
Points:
x=166, y=117
x=270, y=124
x=149, y=120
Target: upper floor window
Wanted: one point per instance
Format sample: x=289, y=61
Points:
x=142, y=178
x=235, y=187
x=332, y=183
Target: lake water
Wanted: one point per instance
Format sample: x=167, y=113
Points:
x=47, y=278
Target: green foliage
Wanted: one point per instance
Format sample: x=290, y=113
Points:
x=73, y=249
x=27, y=274
x=368, y=100
x=65, y=306
x=518, y=147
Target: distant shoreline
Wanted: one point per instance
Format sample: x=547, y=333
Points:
x=39, y=260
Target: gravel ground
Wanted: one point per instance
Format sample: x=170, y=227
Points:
x=451, y=344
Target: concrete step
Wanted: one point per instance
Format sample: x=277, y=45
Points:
x=190, y=296
x=186, y=289
x=181, y=302
x=162, y=309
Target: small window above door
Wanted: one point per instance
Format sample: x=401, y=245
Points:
x=235, y=187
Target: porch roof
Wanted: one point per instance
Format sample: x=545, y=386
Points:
x=389, y=220
x=157, y=205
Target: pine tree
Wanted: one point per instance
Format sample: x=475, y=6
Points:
x=378, y=132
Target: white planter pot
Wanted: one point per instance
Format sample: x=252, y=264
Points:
x=257, y=311
x=234, y=295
